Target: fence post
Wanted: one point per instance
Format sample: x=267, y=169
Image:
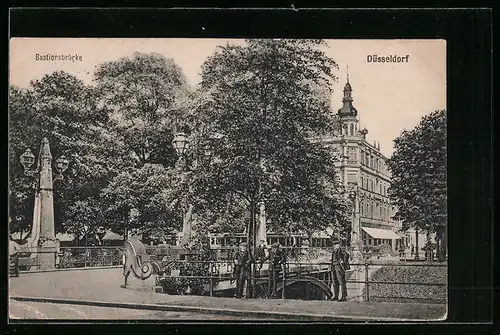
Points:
x=367, y=285
x=211, y=279
x=284, y=281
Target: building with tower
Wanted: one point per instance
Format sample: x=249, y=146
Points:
x=363, y=169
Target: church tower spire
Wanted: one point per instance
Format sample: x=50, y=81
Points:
x=347, y=108
x=348, y=114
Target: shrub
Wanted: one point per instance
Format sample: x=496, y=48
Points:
x=200, y=254
x=407, y=292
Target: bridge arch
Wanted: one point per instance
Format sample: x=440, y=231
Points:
x=305, y=287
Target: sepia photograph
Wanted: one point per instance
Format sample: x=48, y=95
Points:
x=203, y=179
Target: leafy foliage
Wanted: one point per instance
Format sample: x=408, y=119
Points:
x=262, y=102
x=144, y=92
x=147, y=190
x=60, y=107
x=418, y=168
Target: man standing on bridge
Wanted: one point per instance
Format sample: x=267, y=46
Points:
x=276, y=259
x=340, y=263
x=242, y=262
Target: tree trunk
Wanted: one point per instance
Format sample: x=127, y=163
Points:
x=251, y=246
x=125, y=224
x=417, y=257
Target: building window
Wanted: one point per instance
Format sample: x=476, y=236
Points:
x=352, y=129
x=362, y=182
x=362, y=157
x=351, y=154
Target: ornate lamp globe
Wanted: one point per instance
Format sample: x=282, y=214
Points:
x=181, y=143
x=27, y=159
x=62, y=164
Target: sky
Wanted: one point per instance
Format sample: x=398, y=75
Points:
x=389, y=97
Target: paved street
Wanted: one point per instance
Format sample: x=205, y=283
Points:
x=101, y=287
x=39, y=310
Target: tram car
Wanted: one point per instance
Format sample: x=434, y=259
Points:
x=226, y=240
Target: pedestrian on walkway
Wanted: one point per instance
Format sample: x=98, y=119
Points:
x=242, y=263
x=261, y=254
x=340, y=263
x=276, y=261
x=14, y=249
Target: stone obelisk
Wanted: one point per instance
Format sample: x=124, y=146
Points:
x=43, y=232
x=261, y=224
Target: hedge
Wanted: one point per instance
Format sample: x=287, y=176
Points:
x=406, y=292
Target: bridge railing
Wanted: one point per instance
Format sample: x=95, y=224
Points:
x=214, y=277
x=72, y=257
x=379, y=281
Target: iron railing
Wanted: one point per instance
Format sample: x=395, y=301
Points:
x=180, y=276
x=203, y=277
x=73, y=257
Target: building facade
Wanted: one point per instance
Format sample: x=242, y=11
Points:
x=363, y=169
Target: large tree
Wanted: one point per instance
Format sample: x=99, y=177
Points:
x=142, y=200
x=62, y=108
x=261, y=101
x=418, y=186
x=147, y=94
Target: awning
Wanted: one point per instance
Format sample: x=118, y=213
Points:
x=383, y=234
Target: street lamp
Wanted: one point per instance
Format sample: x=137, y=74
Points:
x=86, y=230
x=181, y=145
x=356, y=224
x=42, y=237
x=27, y=159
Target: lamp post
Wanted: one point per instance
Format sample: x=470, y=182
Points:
x=86, y=231
x=356, y=241
x=181, y=145
x=417, y=257
x=42, y=239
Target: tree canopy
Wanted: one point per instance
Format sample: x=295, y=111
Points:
x=250, y=123
x=418, y=168
x=262, y=102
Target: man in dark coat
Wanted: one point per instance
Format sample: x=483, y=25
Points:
x=242, y=263
x=261, y=254
x=340, y=263
x=276, y=260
